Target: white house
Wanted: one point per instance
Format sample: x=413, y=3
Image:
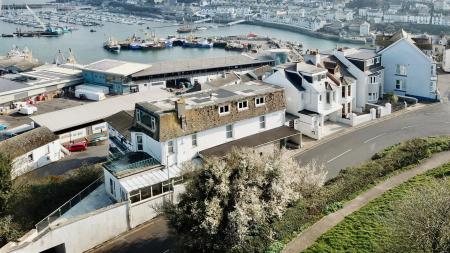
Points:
x=165, y=134
x=408, y=71
x=32, y=150
x=316, y=91
x=365, y=66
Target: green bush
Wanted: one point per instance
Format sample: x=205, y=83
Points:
x=275, y=247
x=333, y=207
x=30, y=201
x=392, y=98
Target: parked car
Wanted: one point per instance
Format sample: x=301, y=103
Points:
x=79, y=146
x=96, y=139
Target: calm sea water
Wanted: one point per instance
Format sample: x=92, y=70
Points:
x=87, y=46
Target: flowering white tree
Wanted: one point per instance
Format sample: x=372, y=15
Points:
x=229, y=200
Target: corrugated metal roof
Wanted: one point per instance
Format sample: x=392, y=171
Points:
x=91, y=112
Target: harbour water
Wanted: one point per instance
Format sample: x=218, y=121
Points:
x=87, y=46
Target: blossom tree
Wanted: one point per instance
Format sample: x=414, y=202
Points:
x=228, y=201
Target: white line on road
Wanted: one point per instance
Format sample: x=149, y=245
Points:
x=373, y=138
x=406, y=127
x=336, y=157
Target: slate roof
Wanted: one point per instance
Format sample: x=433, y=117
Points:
x=122, y=122
x=26, y=142
x=295, y=79
x=256, y=140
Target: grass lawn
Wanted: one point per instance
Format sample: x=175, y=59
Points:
x=363, y=231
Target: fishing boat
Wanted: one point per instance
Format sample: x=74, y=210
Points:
x=198, y=44
x=112, y=45
x=185, y=28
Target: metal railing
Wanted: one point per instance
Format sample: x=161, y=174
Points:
x=44, y=223
x=140, y=164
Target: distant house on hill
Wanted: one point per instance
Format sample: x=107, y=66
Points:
x=32, y=150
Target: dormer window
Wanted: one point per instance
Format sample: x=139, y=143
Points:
x=224, y=109
x=260, y=101
x=370, y=62
x=146, y=120
x=243, y=105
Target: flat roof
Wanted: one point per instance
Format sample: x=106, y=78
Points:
x=362, y=54
x=116, y=67
x=44, y=76
x=309, y=68
x=91, y=112
x=8, y=85
x=255, y=140
x=199, y=64
x=216, y=96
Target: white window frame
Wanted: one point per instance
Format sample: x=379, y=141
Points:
x=241, y=106
x=152, y=123
x=137, y=142
x=170, y=147
x=260, y=101
x=432, y=87
x=229, y=131
x=222, y=110
x=262, y=122
x=402, y=84
x=401, y=69
x=194, y=139
x=370, y=62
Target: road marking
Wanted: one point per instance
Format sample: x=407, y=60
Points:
x=406, y=127
x=373, y=138
x=336, y=157
x=166, y=251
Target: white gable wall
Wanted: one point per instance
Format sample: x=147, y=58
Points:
x=37, y=158
x=294, y=104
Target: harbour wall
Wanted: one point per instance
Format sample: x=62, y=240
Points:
x=305, y=31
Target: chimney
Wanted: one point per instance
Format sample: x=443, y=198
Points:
x=312, y=56
x=180, y=107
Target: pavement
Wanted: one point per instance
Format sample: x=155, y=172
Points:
x=311, y=234
x=153, y=236
x=347, y=148
x=93, y=155
x=16, y=119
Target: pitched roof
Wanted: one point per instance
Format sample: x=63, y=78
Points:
x=26, y=142
x=295, y=79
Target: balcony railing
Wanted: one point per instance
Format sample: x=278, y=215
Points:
x=121, y=163
x=44, y=223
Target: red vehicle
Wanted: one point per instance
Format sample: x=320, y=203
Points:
x=79, y=146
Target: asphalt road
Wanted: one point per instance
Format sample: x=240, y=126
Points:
x=93, y=155
x=344, y=151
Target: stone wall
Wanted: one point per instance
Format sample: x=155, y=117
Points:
x=199, y=119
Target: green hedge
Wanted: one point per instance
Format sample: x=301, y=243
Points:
x=352, y=181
